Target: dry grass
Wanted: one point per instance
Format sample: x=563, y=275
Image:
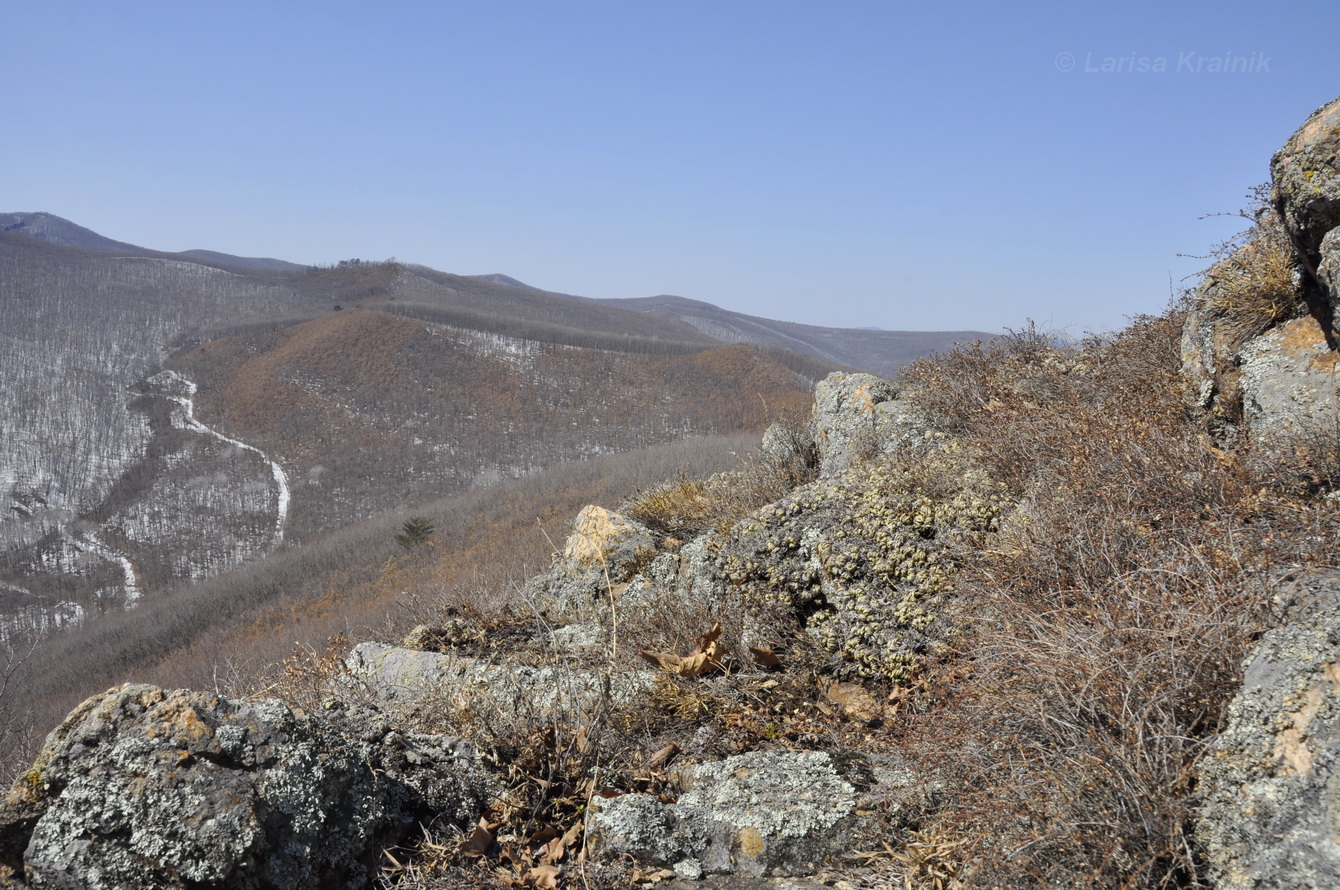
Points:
x=686, y=507
x=1253, y=289
x=1109, y=616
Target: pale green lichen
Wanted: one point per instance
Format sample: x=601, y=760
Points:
x=864, y=558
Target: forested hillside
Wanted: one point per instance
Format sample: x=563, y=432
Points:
x=170, y=417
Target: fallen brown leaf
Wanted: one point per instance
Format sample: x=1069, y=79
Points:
x=480, y=840
x=706, y=657
x=543, y=877
x=662, y=757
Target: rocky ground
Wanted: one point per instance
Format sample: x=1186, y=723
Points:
x=1020, y=618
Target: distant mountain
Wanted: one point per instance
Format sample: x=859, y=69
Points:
x=254, y=263
x=49, y=227
x=327, y=395
x=869, y=349
x=499, y=278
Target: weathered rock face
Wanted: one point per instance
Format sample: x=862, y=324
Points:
x=756, y=814
x=1272, y=779
x=1253, y=364
x=145, y=787
x=418, y=688
x=857, y=416
x=1306, y=178
x=1289, y=388
x=863, y=558
x=604, y=549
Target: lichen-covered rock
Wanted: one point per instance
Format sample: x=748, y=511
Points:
x=604, y=551
x=1289, y=382
x=1306, y=177
x=757, y=814
x=430, y=690
x=789, y=446
x=1210, y=346
x=144, y=787
x=863, y=558
x=601, y=538
x=1271, y=781
x=857, y=416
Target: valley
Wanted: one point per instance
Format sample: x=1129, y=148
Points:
x=177, y=418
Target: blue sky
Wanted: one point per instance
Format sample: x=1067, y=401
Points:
x=890, y=164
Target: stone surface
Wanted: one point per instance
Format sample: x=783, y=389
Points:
x=1209, y=350
x=601, y=538
x=424, y=688
x=857, y=416
x=604, y=550
x=863, y=558
x=758, y=814
x=1288, y=379
x=145, y=787
x=1306, y=176
x=1271, y=781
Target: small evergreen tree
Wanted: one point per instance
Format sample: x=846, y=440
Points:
x=415, y=531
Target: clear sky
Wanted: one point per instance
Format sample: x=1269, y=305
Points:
x=892, y=164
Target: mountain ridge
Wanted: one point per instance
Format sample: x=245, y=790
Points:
x=875, y=350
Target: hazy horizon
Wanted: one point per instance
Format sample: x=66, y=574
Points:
x=871, y=164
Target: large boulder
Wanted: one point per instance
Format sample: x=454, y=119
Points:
x=1271, y=781
x=1306, y=177
x=142, y=787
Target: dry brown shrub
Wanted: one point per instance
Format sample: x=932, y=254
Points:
x=1107, y=621
x=1253, y=288
x=686, y=507
x=679, y=507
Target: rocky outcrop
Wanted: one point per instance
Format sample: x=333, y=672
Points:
x=1305, y=174
x=1271, y=782
x=146, y=787
x=1259, y=343
x=863, y=558
x=858, y=416
x=604, y=549
x=756, y=814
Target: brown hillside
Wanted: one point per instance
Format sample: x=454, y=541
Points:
x=367, y=410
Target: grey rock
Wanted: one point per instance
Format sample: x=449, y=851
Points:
x=578, y=639
x=1306, y=176
x=758, y=814
x=1328, y=264
x=687, y=577
x=145, y=787
x=424, y=689
x=788, y=446
x=1209, y=350
x=603, y=552
x=1289, y=383
x=1271, y=780
x=863, y=559
x=640, y=826
x=858, y=416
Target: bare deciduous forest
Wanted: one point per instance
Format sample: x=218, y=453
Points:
x=206, y=457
